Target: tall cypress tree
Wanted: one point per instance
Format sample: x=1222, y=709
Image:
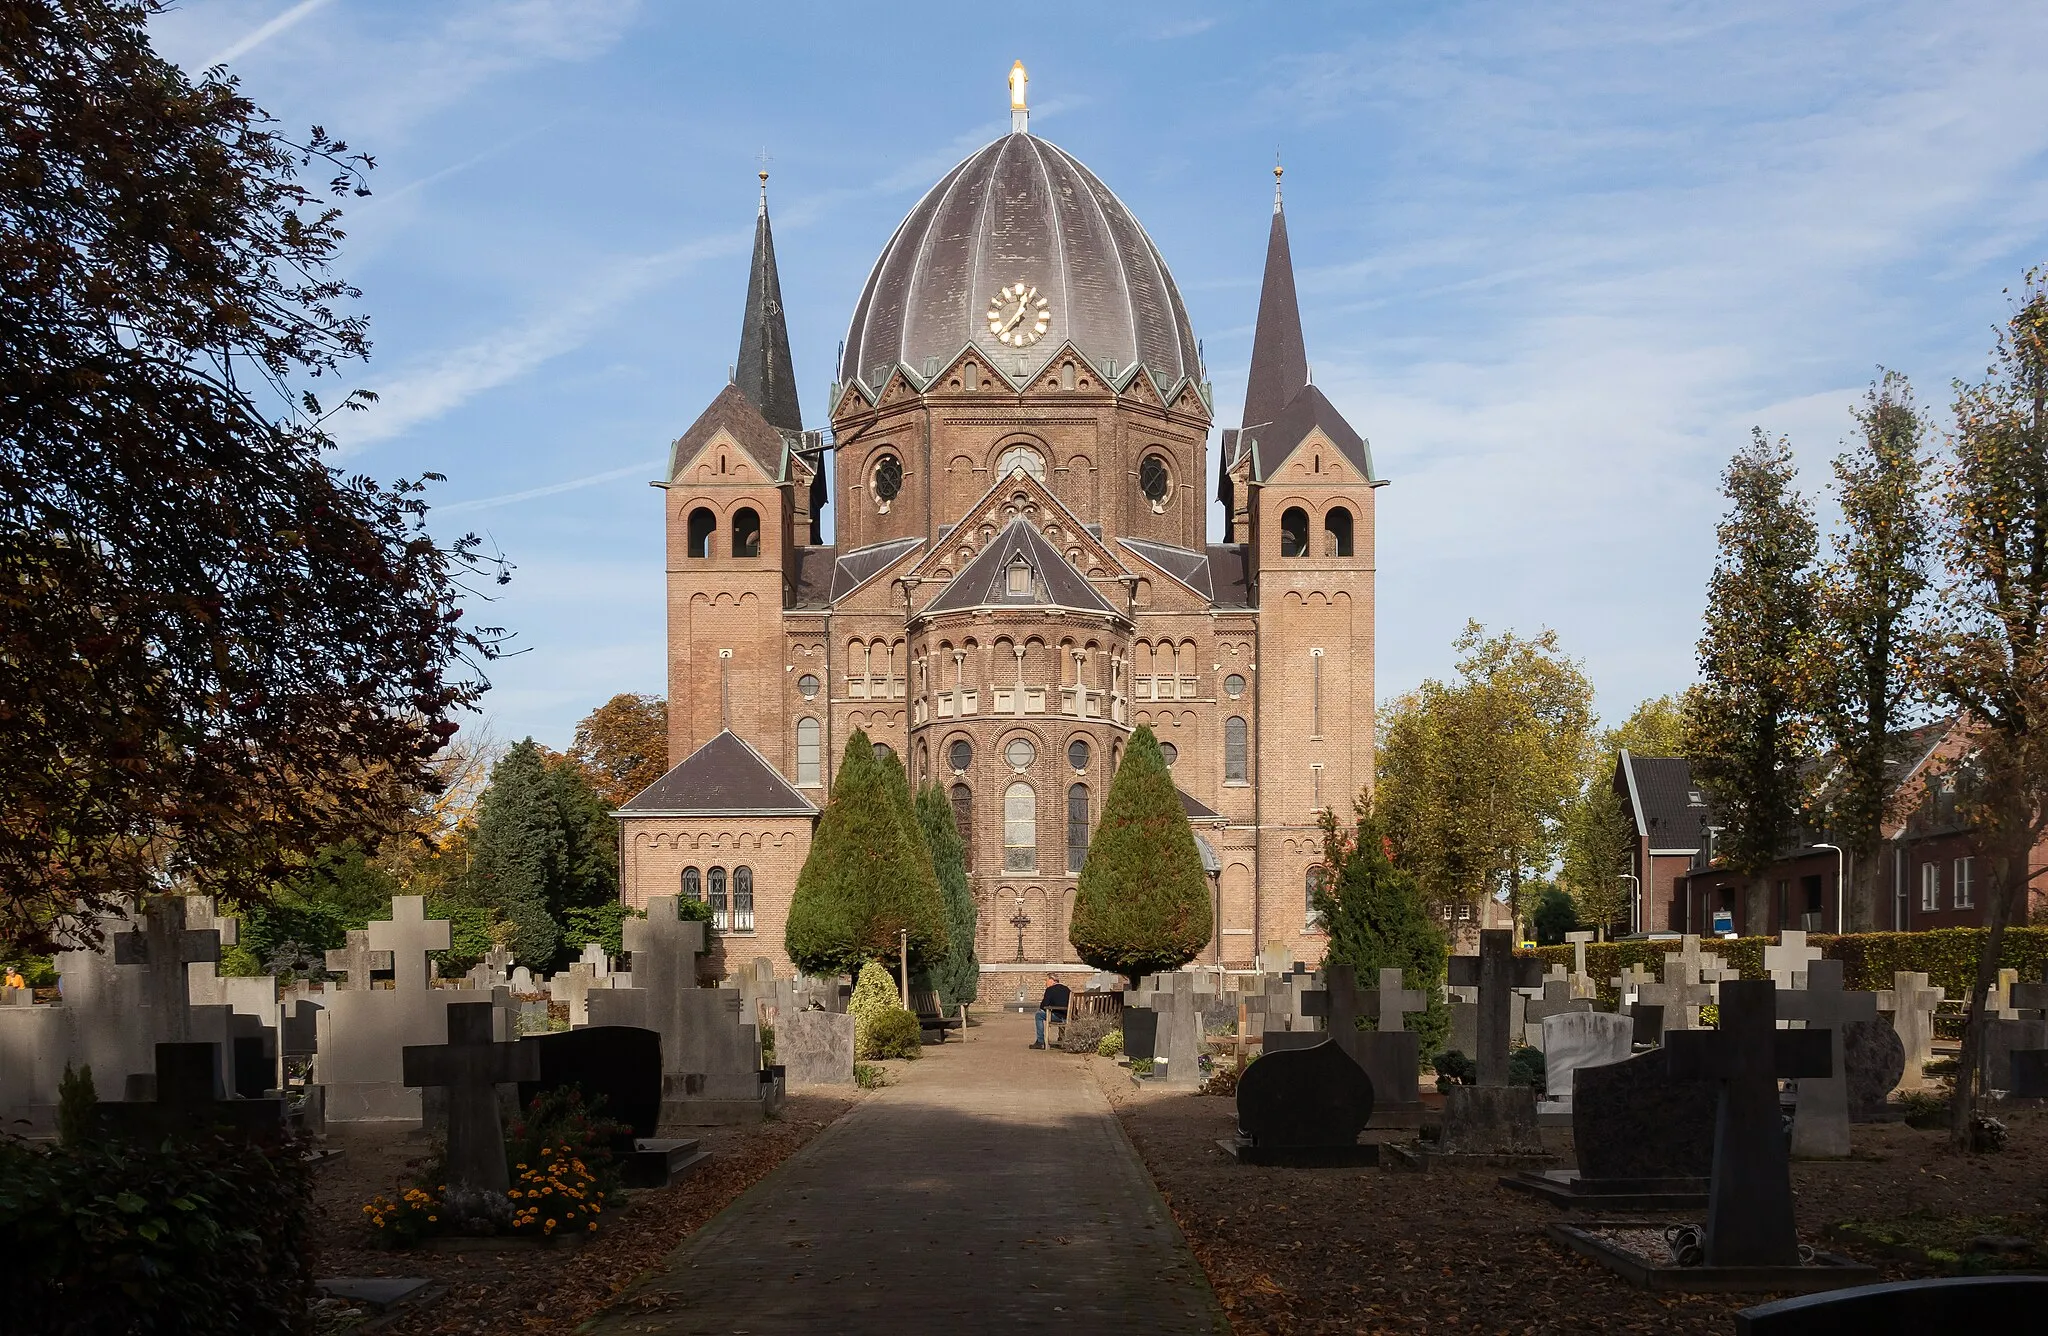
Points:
x=956, y=977
x=868, y=875
x=1142, y=904
x=1745, y=729
x=1376, y=919
x=519, y=852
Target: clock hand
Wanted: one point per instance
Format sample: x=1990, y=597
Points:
x=1015, y=318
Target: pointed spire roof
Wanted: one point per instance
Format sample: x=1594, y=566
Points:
x=764, y=371
x=1279, y=358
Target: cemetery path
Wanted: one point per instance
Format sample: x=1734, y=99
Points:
x=990, y=1189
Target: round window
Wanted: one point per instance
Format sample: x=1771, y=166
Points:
x=1077, y=753
x=807, y=686
x=1152, y=480
x=1170, y=752
x=960, y=753
x=888, y=478
x=1020, y=457
x=1020, y=753
x=1233, y=686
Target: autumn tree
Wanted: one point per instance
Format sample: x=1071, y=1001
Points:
x=217, y=651
x=1656, y=727
x=1864, y=665
x=622, y=746
x=1992, y=621
x=1746, y=731
x=1477, y=774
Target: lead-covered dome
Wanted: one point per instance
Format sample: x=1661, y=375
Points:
x=1020, y=211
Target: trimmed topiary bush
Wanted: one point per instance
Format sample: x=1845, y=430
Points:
x=1142, y=903
x=874, y=994
x=894, y=1033
x=956, y=976
x=1111, y=1044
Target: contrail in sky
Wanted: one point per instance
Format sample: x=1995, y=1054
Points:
x=490, y=502
x=265, y=32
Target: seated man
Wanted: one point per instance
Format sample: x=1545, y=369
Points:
x=1053, y=1005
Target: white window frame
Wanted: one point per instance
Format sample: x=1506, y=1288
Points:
x=1965, y=883
x=1930, y=887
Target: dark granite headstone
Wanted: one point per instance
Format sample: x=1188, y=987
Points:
x=1141, y=1032
x=2029, y=1073
x=2002, y=1039
x=1303, y=1098
x=188, y=1101
x=1962, y=1303
x=1874, y=1058
x=1633, y=1120
x=620, y=1064
x=1649, y=1019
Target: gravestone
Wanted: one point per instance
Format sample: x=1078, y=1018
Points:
x=1496, y=972
x=471, y=1066
x=572, y=988
x=1787, y=959
x=1629, y=983
x=1873, y=1060
x=1649, y=1024
x=522, y=981
x=622, y=1066
x=361, y=1034
x=1575, y=1039
x=1304, y=1106
x=357, y=961
x=1998, y=1002
x=1911, y=1002
x=164, y=946
x=1555, y=1001
x=1581, y=981
x=190, y=1101
x=815, y=1048
x=2003, y=1038
x=1492, y=1117
x=2029, y=1074
x=1749, y=1212
x=1141, y=1032
x=1178, y=1044
x=1820, y=1123
x=1962, y=1303
x=1644, y=1139
x=1683, y=990
x=1388, y=1055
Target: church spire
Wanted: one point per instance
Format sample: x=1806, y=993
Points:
x=1279, y=359
x=764, y=372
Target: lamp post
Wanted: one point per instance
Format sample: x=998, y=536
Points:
x=1841, y=867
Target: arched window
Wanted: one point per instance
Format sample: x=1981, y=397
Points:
x=1020, y=457
x=1077, y=826
x=743, y=899
x=1294, y=532
x=1312, y=885
x=1337, y=532
x=807, y=752
x=884, y=752
x=702, y=525
x=1154, y=481
x=693, y=884
x=1234, y=764
x=746, y=532
x=718, y=898
x=1020, y=829
x=963, y=819
x=960, y=754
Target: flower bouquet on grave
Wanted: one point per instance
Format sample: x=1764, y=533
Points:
x=555, y=1195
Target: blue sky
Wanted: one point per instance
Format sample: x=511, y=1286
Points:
x=1554, y=259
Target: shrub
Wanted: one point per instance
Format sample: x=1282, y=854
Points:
x=1141, y=1066
x=400, y=1223
x=1454, y=1068
x=115, y=1237
x=874, y=993
x=1375, y=917
x=1110, y=1044
x=1525, y=1068
x=869, y=1077
x=77, y=1107
x=1142, y=902
x=955, y=977
x=1925, y=1109
x=894, y=1034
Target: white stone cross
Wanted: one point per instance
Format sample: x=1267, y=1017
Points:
x=408, y=935
x=1788, y=958
x=1630, y=982
x=1391, y=999
x=1911, y=1003
x=1689, y=962
x=1820, y=1123
x=356, y=960
x=573, y=986
x=1582, y=982
x=1999, y=1001
x=1682, y=993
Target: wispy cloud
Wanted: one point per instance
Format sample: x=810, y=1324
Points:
x=1190, y=27
x=550, y=489
x=262, y=33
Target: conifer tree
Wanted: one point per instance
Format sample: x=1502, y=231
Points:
x=1142, y=904
x=1745, y=729
x=956, y=977
x=868, y=875
x=518, y=854
x=1376, y=918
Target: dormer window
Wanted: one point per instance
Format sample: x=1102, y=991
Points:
x=1017, y=581
x=1694, y=798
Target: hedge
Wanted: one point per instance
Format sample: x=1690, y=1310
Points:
x=1947, y=956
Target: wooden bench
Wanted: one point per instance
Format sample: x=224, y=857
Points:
x=933, y=1022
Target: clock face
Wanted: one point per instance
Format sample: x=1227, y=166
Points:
x=1018, y=316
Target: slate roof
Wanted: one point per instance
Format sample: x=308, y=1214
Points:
x=1661, y=795
x=1196, y=809
x=724, y=777
x=810, y=578
x=764, y=371
x=1279, y=358
x=854, y=569
x=1308, y=410
x=1230, y=575
x=736, y=413
x=1190, y=568
x=981, y=583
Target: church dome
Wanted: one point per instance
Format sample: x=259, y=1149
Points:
x=1020, y=213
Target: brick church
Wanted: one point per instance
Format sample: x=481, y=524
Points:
x=1017, y=571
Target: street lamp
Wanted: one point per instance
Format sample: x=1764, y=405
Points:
x=1841, y=862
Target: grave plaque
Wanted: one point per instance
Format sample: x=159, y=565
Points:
x=1633, y=1120
x=616, y=1063
x=1873, y=1060
x=815, y=1048
x=1576, y=1039
x=1141, y=1032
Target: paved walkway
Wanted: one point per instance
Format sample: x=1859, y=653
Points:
x=991, y=1190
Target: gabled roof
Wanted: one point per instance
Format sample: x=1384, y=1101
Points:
x=1039, y=492
x=1665, y=804
x=983, y=582
x=854, y=569
x=734, y=412
x=1306, y=412
x=1190, y=568
x=724, y=777
x=1196, y=809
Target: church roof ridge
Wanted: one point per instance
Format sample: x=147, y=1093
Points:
x=726, y=776
x=1183, y=565
x=731, y=409
x=1058, y=585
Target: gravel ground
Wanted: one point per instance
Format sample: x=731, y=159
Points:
x=548, y=1290
x=1373, y=1250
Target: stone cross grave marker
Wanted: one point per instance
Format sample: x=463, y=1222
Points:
x=1391, y=999
x=1275, y=959
x=1387, y=1055
x=189, y=1099
x=357, y=960
x=1582, y=982
x=1820, y=1125
x=1496, y=972
x=1749, y=1210
x=1683, y=991
x=1912, y=1002
x=1787, y=959
x=573, y=986
x=472, y=1065
x=2027, y=997
x=164, y=946
x=408, y=935
x=1630, y=982
x=1998, y=1002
